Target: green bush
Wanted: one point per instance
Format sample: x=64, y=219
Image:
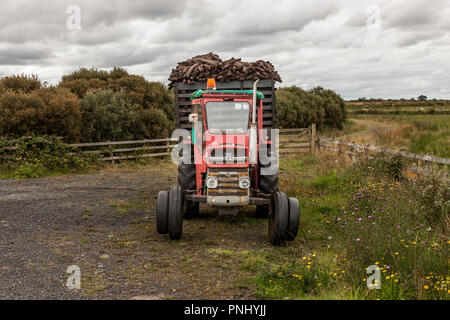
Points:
x=149, y=95
x=432, y=195
x=141, y=109
x=45, y=111
x=383, y=164
x=35, y=156
x=20, y=83
x=109, y=115
x=334, y=105
x=297, y=108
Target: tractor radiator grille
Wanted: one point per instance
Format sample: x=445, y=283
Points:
x=228, y=181
x=228, y=156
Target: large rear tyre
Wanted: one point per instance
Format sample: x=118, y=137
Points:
x=162, y=213
x=176, y=196
x=268, y=184
x=278, y=218
x=294, y=219
x=186, y=179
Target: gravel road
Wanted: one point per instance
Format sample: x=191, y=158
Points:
x=104, y=223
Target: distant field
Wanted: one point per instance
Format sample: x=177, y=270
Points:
x=398, y=108
x=418, y=133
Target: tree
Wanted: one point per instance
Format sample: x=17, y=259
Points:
x=422, y=98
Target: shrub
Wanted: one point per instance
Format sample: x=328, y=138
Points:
x=20, y=83
x=334, y=105
x=299, y=108
x=141, y=109
x=134, y=88
x=35, y=155
x=108, y=115
x=46, y=111
x=388, y=165
x=432, y=195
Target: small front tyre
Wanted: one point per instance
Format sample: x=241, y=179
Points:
x=176, y=201
x=278, y=218
x=294, y=219
x=162, y=213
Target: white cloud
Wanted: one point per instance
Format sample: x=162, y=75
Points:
x=311, y=43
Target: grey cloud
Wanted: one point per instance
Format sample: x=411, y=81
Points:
x=20, y=56
x=320, y=42
x=412, y=14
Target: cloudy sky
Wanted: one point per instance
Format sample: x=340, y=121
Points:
x=385, y=48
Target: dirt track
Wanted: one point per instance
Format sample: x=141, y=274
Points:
x=105, y=224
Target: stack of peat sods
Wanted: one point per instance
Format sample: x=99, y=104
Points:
x=209, y=65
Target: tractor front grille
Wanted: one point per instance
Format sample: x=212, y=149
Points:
x=228, y=181
x=228, y=156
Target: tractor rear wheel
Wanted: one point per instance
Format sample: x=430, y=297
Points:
x=294, y=219
x=278, y=218
x=186, y=179
x=268, y=184
x=176, y=197
x=162, y=212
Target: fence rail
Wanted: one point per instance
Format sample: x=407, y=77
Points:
x=354, y=149
x=292, y=141
x=134, y=149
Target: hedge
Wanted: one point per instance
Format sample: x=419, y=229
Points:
x=297, y=108
x=92, y=105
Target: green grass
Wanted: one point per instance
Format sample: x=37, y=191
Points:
x=36, y=171
x=416, y=133
x=327, y=262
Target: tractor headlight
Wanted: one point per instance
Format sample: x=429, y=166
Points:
x=212, y=182
x=244, y=182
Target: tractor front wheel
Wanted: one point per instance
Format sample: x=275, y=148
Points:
x=278, y=218
x=176, y=200
x=294, y=219
x=162, y=213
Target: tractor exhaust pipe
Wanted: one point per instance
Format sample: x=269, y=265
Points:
x=253, y=134
x=255, y=87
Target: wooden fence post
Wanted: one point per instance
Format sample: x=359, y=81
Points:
x=353, y=152
x=111, y=150
x=320, y=144
x=366, y=151
x=313, y=138
x=428, y=164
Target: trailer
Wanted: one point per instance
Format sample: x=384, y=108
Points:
x=183, y=105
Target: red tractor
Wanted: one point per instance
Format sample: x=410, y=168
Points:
x=229, y=160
